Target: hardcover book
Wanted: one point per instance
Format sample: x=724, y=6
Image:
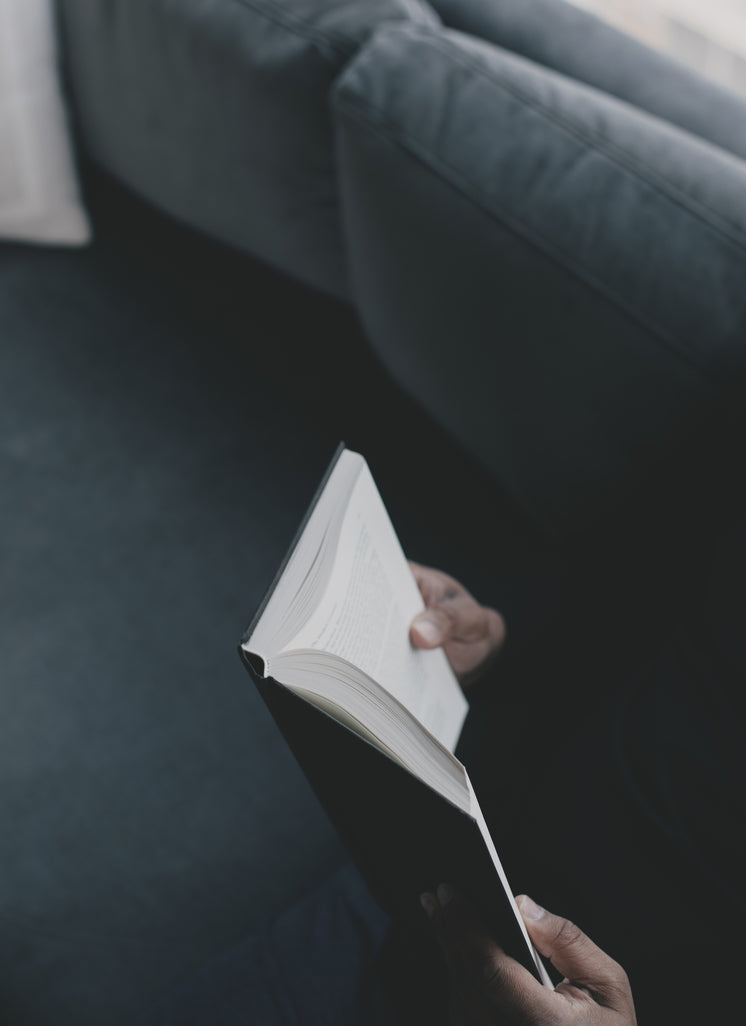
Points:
x=372, y=721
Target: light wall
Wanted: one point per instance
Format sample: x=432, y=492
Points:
x=709, y=36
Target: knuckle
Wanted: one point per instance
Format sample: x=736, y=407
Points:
x=567, y=935
x=618, y=977
x=492, y=972
x=495, y=624
x=483, y=623
x=467, y=617
x=446, y=618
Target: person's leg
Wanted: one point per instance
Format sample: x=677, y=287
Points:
x=314, y=965
x=625, y=809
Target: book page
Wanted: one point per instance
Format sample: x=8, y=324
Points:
x=365, y=613
x=305, y=574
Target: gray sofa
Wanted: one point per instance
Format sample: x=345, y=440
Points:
x=487, y=172
x=497, y=247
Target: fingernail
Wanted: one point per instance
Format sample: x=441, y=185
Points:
x=445, y=894
x=429, y=904
x=529, y=909
x=428, y=630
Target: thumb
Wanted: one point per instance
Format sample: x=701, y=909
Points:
x=583, y=964
x=429, y=629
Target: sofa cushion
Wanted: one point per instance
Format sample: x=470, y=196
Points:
x=39, y=196
x=216, y=110
x=557, y=275
x=582, y=46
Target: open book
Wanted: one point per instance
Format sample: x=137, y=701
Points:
x=373, y=721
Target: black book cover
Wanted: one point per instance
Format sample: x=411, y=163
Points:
x=404, y=837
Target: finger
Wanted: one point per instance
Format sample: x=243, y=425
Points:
x=456, y=608
x=473, y=627
x=435, y=585
x=478, y=965
x=430, y=629
x=468, y=632
x=427, y=631
x=575, y=955
x=455, y=617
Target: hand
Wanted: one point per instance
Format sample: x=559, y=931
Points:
x=471, y=635
x=491, y=989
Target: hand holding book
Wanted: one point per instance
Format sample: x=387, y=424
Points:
x=487, y=985
x=470, y=634
x=488, y=988
x=366, y=686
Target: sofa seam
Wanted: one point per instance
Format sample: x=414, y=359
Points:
x=342, y=46
x=660, y=183
x=670, y=341
x=613, y=153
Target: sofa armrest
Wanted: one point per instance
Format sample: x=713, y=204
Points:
x=556, y=275
x=568, y=39
x=217, y=114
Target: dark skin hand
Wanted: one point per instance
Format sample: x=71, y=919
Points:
x=471, y=634
x=488, y=988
